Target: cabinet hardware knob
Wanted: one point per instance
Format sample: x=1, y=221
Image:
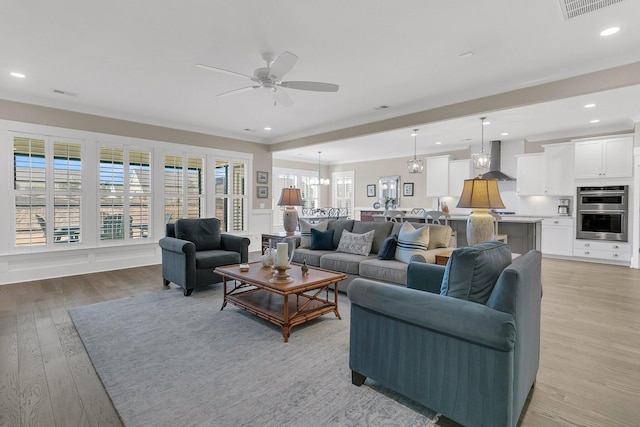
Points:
x=586, y=252
x=615, y=255
x=615, y=246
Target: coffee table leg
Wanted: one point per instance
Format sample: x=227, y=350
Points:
x=286, y=327
x=335, y=300
x=224, y=292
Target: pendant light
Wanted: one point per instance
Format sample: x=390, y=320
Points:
x=415, y=165
x=320, y=180
x=482, y=160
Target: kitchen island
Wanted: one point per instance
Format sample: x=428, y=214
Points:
x=523, y=232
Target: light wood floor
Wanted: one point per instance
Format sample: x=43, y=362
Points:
x=589, y=370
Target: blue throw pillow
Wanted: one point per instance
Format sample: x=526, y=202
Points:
x=321, y=240
x=388, y=248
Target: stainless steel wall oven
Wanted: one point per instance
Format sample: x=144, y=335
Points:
x=603, y=213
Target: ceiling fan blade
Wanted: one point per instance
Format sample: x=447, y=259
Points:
x=314, y=86
x=283, y=98
x=223, y=71
x=283, y=64
x=232, y=92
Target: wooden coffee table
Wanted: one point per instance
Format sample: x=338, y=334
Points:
x=305, y=298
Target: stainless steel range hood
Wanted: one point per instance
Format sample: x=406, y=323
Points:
x=494, y=167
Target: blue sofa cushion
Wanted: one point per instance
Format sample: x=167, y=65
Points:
x=203, y=232
x=322, y=240
x=472, y=271
x=216, y=258
x=388, y=248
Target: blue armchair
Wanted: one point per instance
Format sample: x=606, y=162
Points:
x=470, y=353
x=192, y=249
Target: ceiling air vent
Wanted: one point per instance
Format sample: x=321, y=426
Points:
x=574, y=8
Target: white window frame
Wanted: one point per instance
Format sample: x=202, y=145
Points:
x=231, y=196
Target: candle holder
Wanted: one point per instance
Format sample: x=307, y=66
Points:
x=280, y=275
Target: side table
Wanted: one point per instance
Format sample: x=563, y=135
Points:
x=443, y=257
x=278, y=237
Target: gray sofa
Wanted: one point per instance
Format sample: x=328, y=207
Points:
x=462, y=340
x=369, y=266
x=193, y=247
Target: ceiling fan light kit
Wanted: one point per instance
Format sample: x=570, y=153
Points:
x=415, y=165
x=482, y=160
x=270, y=77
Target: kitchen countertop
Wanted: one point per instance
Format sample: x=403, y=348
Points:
x=506, y=218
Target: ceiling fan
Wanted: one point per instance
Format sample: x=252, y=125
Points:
x=270, y=77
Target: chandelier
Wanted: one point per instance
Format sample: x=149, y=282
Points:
x=482, y=160
x=415, y=165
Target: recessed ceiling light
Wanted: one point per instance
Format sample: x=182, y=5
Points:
x=595, y=121
x=438, y=142
x=589, y=105
x=504, y=134
x=18, y=75
x=267, y=128
x=609, y=31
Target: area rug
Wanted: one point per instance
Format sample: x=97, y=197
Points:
x=167, y=360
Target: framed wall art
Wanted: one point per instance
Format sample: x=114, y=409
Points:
x=263, y=177
x=263, y=192
x=371, y=190
x=407, y=189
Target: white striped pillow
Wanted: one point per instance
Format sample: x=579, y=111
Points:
x=411, y=242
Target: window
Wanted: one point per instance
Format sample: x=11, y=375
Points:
x=124, y=193
x=47, y=214
x=343, y=191
x=231, y=195
x=183, y=187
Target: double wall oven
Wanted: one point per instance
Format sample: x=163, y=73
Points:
x=602, y=213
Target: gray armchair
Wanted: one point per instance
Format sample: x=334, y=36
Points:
x=192, y=249
x=470, y=354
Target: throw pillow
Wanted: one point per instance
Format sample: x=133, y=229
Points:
x=388, y=248
x=305, y=232
x=439, y=236
x=357, y=244
x=472, y=271
x=382, y=231
x=321, y=240
x=412, y=242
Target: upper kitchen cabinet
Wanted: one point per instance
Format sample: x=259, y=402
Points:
x=438, y=176
x=559, y=169
x=604, y=158
x=529, y=178
x=459, y=170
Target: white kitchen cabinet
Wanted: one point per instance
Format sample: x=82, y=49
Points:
x=459, y=170
x=603, y=251
x=559, y=170
x=557, y=236
x=604, y=158
x=530, y=175
x=437, y=173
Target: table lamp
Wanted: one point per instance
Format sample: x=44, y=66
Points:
x=480, y=195
x=289, y=198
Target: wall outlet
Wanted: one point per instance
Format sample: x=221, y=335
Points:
x=261, y=205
